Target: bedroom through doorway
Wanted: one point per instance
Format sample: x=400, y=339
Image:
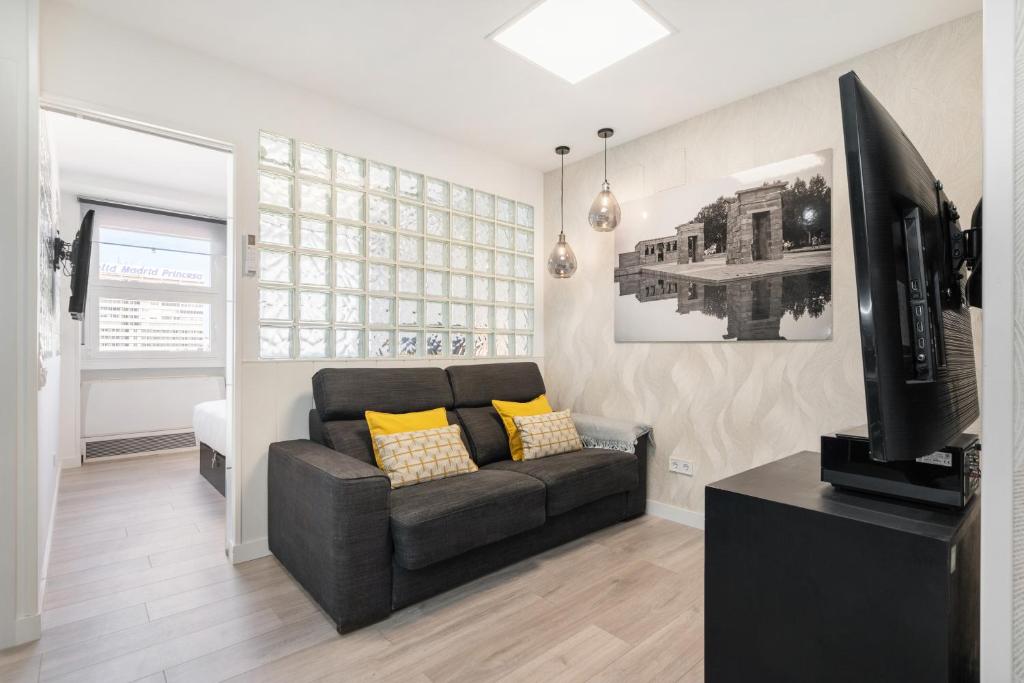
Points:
x=145, y=374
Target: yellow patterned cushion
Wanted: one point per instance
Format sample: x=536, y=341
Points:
x=395, y=423
x=548, y=434
x=508, y=410
x=414, y=457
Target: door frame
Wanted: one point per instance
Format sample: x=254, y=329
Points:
x=20, y=603
x=1001, y=186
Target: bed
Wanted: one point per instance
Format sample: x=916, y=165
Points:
x=210, y=427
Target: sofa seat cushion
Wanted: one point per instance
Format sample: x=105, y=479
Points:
x=436, y=520
x=577, y=478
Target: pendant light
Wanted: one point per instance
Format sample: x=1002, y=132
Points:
x=562, y=262
x=605, y=213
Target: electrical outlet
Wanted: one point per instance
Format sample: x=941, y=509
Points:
x=680, y=466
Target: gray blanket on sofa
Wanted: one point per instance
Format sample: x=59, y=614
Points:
x=605, y=432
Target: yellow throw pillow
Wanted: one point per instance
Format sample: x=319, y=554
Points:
x=396, y=423
x=548, y=434
x=424, y=455
x=510, y=409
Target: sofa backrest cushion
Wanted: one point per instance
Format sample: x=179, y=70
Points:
x=478, y=385
x=475, y=386
x=347, y=393
x=342, y=395
x=352, y=437
x=488, y=441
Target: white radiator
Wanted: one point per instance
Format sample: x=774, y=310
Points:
x=139, y=415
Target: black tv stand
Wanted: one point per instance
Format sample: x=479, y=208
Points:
x=949, y=477
x=805, y=583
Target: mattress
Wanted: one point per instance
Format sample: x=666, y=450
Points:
x=210, y=425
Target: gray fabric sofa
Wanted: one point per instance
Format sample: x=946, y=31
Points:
x=363, y=550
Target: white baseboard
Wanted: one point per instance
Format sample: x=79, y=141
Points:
x=676, y=514
x=250, y=550
x=45, y=567
x=27, y=629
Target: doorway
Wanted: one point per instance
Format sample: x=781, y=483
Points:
x=145, y=378
x=761, y=229
x=691, y=249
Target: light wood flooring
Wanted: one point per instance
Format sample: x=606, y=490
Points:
x=138, y=589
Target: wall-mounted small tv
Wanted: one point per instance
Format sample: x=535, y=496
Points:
x=74, y=259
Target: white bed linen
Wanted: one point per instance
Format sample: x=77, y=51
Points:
x=210, y=425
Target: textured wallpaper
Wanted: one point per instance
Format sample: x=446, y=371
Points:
x=732, y=406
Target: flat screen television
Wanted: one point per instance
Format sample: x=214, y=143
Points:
x=81, y=254
x=909, y=255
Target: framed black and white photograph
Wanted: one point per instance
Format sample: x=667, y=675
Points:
x=744, y=257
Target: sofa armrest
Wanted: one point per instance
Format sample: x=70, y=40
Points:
x=637, y=504
x=620, y=435
x=329, y=525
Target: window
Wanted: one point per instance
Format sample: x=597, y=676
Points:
x=130, y=325
x=156, y=293
x=127, y=256
x=360, y=259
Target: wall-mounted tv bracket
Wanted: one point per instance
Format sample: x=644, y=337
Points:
x=969, y=255
x=60, y=255
x=964, y=250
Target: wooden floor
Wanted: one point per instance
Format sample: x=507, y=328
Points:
x=138, y=589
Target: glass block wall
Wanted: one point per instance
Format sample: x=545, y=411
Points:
x=359, y=259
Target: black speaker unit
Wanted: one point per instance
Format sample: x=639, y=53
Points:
x=948, y=477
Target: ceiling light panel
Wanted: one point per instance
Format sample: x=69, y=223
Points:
x=574, y=39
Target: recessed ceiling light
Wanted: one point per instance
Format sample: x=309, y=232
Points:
x=577, y=38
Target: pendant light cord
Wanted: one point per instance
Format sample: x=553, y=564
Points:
x=606, y=160
x=561, y=200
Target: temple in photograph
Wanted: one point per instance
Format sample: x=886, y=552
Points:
x=753, y=233
x=661, y=250
x=754, y=228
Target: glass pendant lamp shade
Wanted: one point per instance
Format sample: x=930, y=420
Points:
x=605, y=213
x=562, y=261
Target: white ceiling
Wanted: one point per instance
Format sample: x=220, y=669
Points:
x=108, y=162
x=427, y=62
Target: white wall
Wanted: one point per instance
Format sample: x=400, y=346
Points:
x=1002, y=471
x=84, y=63
x=48, y=398
x=144, y=402
x=48, y=440
x=732, y=406
x=19, y=181
x=69, y=446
